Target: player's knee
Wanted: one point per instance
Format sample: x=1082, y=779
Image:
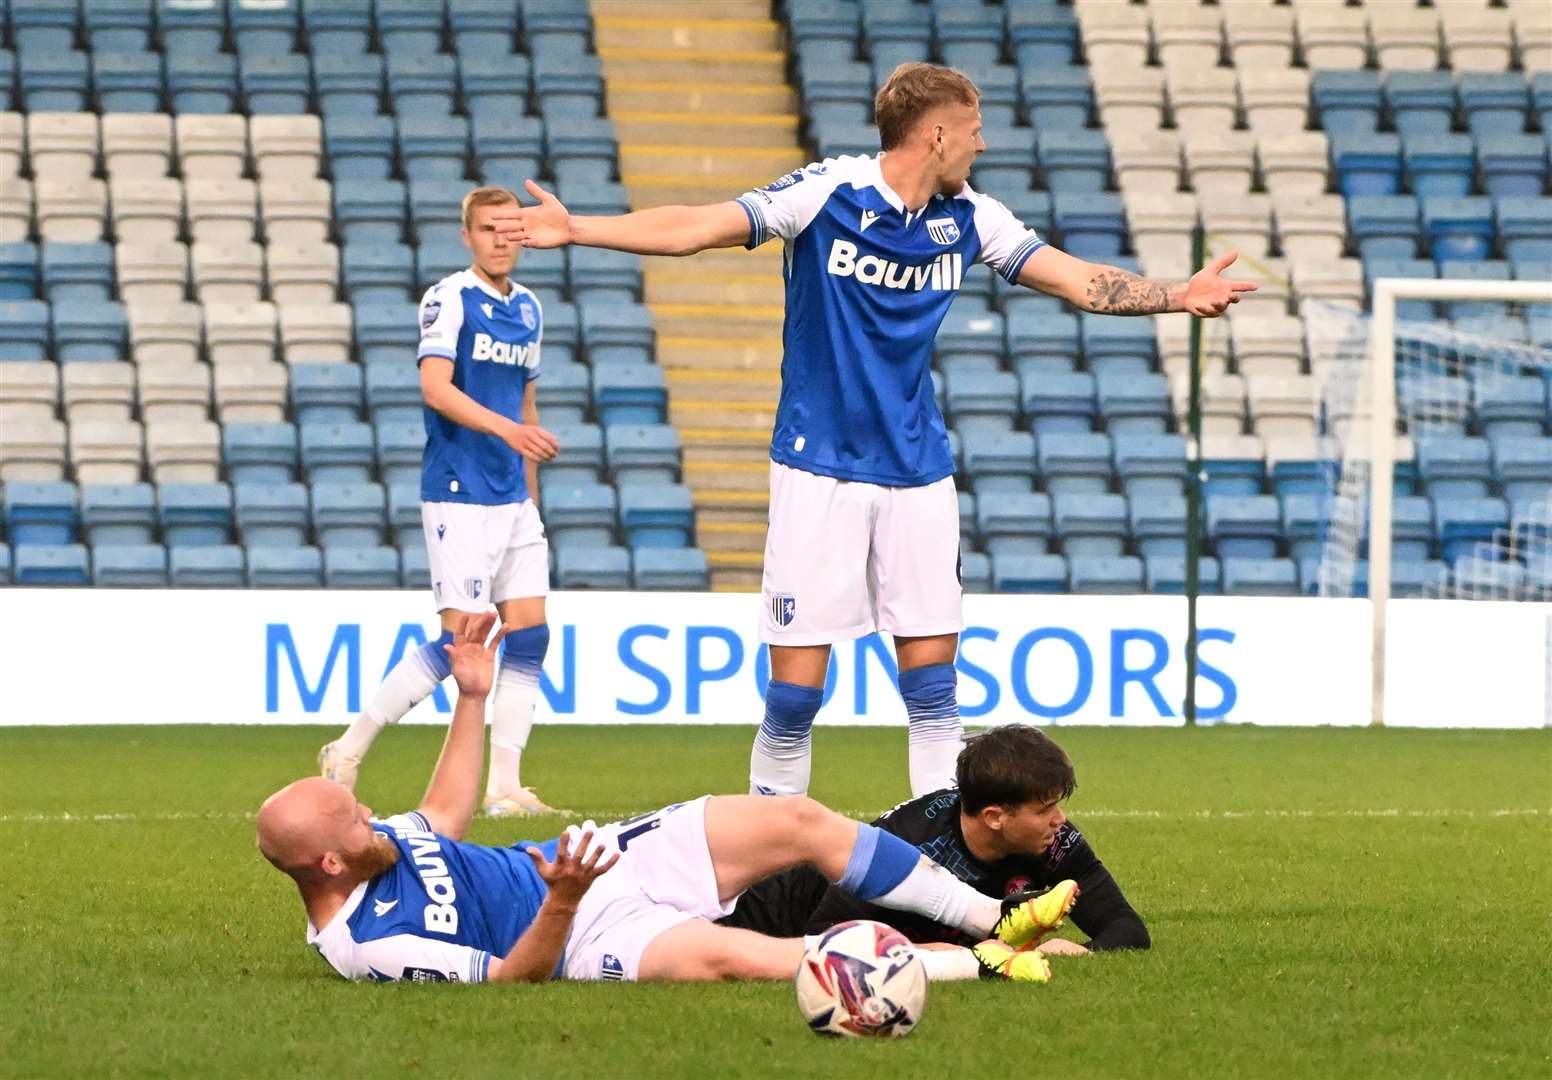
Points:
x=805, y=815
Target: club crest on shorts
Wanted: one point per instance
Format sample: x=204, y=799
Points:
x=471, y=586
x=783, y=607
x=610, y=969
x=943, y=230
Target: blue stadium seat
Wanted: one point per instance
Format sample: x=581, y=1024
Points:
x=1074, y=463
x=1166, y=574
x=1133, y=404
x=89, y=331
x=8, y=103
x=118, y=513
x=1158, y=524
x=1414, y=579
x=1523, y=468
x=1091, y=525
x=1454, y=467
x=967, y=535
x=656, y=515
x=408, y=29
x=1494, y=102
x=1525, y=225
x=1513, y=165
x=436, y=207
x=359, y=146
x=1474, y=270
x=593, y=568
x=361, y=568
x=219, y=567
x=271, y=515
x=1092, y=224
x=563, y=393
x=285, y=567
x=581, y=459
x=386, y=332
x=1074, y=160
x=1117, y=347
x=579, y=515
x=895, y=31
x=568, y=87
x=1059, y=402
x=399, y=447
x=1008, y=162
x=1244, y=526
x=617, y=332
x=54, y=81
x=602, y=276
x=1421, y=102
x=824, y=29
x=129, y=566
x=556, y=26
x=495, y=90
x=1242, y=474
x=1460, y=524
x=981, y=400
x=375, y=272
x=1384, y=226
x=349, y=81
x=191, y=27
x=642, y=453
x=201, y=82
x=1117, y=575
x=1304, y=520
x=421, y=84
x=1000, y=461
x=337, y=26
x=1150, y=464
x=339, y=453
x=49, y=564
x=259, y=452
x=1474, y=575
x=591, y=195
x=1366, y=164
x=194, y=515
x=1259, y=577
x=966, y=38
x=349, y=514
x=128, y=81
x=1439, y=164
x=404, y=521
x=629, y=393
x=437, y=258
x=264, y=28
x=1015, y=523
x=369, y=211
x=482, y=30
x=1373, y=269
x=19, y=278
x=975, y=572
x=325, y=393
x=1042, y=36
x=24, y=330
x=1510, y=407
x=1058, y=98
x=1028, y=573
x=1541, y=98
x=1411, y=527
x=1044, y=344
x=433, y=146
x=1347, y=102
x=275, y=83
x=544, y=271
x=1458, y=228
x=670, y=568
x=414, y=566
x=116, y=25
x=41, y=513
x=1299, y=472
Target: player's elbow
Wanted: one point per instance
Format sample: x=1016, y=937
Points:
x=1132, y=934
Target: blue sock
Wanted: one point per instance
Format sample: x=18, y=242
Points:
x=523, y=651
x=781, y=759
x=879, y=861
x=434, y=656
x=931, y=696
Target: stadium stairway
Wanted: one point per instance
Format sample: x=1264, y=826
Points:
x=703, y=112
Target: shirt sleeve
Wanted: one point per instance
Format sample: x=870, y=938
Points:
x=784, y=207
x=1006, y=242
x=533, y=355
x=412, y=821
x=441, y=317
x=407, y=958
x=1102, y=911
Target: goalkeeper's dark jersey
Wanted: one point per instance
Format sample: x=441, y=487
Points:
x=802, y=901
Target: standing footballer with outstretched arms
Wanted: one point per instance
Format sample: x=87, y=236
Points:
x=864, y=520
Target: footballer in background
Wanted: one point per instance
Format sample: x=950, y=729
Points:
x=480, y=333
x=1001, y=831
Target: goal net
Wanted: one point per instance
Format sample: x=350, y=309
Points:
x=1433, y=414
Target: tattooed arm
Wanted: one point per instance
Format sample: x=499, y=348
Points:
x=1110, y=290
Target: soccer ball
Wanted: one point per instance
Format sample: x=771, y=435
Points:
x=862, y=978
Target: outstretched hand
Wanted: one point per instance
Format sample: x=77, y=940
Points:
x=546, y=225
x=574, y=870
x=1209, y=294
x=472, y=657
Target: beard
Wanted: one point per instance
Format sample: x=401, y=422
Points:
x=380, y=855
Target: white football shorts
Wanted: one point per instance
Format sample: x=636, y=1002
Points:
x=845, y=558
x=482, y=555
x=664, y=878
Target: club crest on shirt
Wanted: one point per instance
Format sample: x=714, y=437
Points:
x=784, y=607
x=526, y=312
x=429, y=313
x=943, y=230
x=787, y=181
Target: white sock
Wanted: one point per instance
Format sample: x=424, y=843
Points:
x=936, y=732
x=512, y=708
x=933, y=759
x=949, y=965
x=412, y=680
x=933, y=891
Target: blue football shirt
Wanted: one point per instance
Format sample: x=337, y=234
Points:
x=493, y=342
x=868, y=284
x=437, y=915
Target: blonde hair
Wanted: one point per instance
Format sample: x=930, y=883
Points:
x=485, y=196
x=912, y=90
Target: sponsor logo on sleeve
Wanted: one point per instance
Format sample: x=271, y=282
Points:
x=426, y=975
x=793, y=177
x=429, y=312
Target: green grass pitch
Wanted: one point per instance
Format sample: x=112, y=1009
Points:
x=1323, y=904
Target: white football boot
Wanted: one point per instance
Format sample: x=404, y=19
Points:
x=522, y=803
x=334, y=765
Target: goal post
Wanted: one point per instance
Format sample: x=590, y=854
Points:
x=1354, y=357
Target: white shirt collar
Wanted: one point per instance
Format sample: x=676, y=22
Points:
x=341, y=916
x=488, y=291
x=876, y=175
